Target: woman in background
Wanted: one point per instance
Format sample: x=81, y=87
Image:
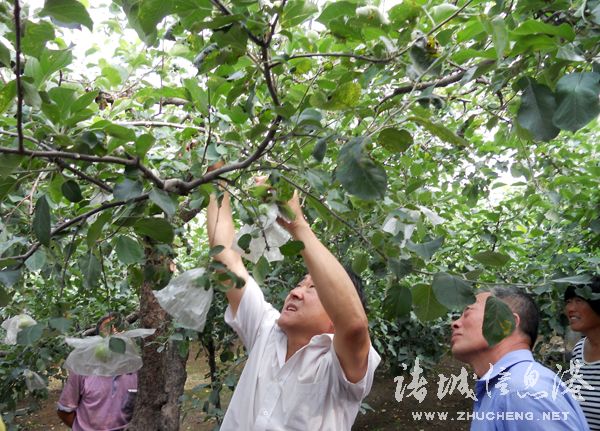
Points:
x=584, y=317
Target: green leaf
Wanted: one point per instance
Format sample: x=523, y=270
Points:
x=291, y=248
x=358, y=173
x=68, y=13
x=538, y=105
x=492, y=258
x=532, y=27
x=498, y=321
x=5, y=297
x=425, y=305
x=36, y=261
x=261, y=269
x=158, y=229
x=397, y=302
x=425, y=250
x=400, y=268
x=143, y=143
x=216, y=250
x=128, y=250
x=394, y=140
x=4, y=55
x=41, y=221
x=152, y=12
x=9, y=277
x=320, y=149
x=71, y=191
x=35, y=37
x=8, y=94
x=61, y=324
x=95, y=229
x=440, y=131
x=91, y=269
x=8, y=163
x=575, y=279
x=29, y=335
x=116, y=344
x=578, y=103
x=452, y=292
x=164, y=201
x=83, y=101
x=345, y=96
x=297, y=11
x=360, y=263
x=127, y=189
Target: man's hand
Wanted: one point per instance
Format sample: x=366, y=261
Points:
x=299, y=222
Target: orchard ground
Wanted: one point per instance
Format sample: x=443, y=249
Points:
x=384, y=412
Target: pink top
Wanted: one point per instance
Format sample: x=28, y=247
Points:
x=98, y=402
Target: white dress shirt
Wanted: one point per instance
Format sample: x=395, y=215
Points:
x=309, y=392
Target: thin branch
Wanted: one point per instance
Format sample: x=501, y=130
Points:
x=18, y=75
x=444, y=82
x=58, y=229
x=268, y=76
x=274, y=24
x=185, y=187
x=64, y=165
x=342, y=55
x=144, y=123
x=226, y=11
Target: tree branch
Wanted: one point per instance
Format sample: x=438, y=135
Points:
x=226, y=11
x=341, y=55
x=76, y=220
x=17, y=14
x=183, y=187
x=444, y=82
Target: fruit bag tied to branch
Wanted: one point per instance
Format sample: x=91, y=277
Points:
x=186, y=300
x=14, y=325
x=266, y=237
x=106, y=356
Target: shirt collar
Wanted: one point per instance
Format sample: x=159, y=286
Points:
x=507, y=361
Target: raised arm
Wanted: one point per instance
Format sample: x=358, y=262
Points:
x=221, y=231
x=338, y=296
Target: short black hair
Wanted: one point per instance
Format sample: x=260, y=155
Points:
x=524, y=306
x=112, y=315
x=358, y=285
x=594, y=285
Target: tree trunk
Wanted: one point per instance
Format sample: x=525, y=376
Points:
x=162, y=378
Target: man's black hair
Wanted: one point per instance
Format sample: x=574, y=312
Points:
x=358, y=285
x=594, y=285
x=524, y=306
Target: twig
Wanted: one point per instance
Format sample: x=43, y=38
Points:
x=18, y=75
x=76, y=220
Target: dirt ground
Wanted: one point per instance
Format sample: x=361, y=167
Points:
x=384, y=413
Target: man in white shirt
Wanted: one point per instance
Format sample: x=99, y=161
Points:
x=310, y=366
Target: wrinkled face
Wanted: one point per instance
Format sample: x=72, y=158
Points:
x=582, y=317
x=467, y=331
x=303, y=312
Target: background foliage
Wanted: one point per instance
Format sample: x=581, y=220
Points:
x=440, y=147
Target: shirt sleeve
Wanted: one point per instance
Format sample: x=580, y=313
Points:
x=71, y=393
x=253, y=311
x=359, y=390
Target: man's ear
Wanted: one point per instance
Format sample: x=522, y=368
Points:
x=517, y=320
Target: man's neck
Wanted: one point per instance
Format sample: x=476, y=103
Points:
x=295, y=343
x=482, y=362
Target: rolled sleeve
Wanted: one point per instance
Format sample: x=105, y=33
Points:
x=71, y=393
x=359, y=390
x=253, y=311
